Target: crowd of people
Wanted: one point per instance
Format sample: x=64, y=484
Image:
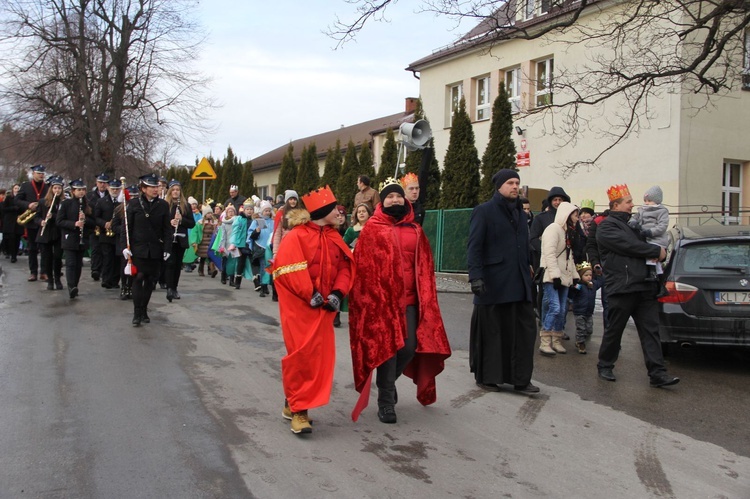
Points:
x=310, y=257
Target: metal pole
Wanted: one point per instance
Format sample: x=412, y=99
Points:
x=204, y=191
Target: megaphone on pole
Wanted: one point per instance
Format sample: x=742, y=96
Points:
x=415, y=135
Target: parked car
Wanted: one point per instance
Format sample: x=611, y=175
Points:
x=708, y=278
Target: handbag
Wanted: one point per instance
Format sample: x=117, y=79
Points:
x=539, y=276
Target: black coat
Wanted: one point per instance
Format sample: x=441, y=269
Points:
x=103, y=213
x=541, y=222
x=67, y=216
x=187, y=222
x=51, y=231
x=498, y=252
x=592, y=249
x=148, y=228
x=10, y=213
x=26, y=196
x=624, y=255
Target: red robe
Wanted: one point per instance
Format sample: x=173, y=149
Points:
x=377, y=321
x=310, y=258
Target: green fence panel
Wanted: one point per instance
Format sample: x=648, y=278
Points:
x=431, y=227
x=455, y=235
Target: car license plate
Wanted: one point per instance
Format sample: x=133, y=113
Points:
x=732, y=298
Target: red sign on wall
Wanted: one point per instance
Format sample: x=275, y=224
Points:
x=523, y=158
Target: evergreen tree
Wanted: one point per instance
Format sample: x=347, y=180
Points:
x=308, y=177
x=332, y=169
x=461, y=165
x=501, y=150
x=232, y=175
x=247, y=184
x=366, y=160
x=347, y=186
x=288, y=171
x=388, y=159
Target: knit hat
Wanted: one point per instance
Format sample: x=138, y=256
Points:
x=290, y=194
x=206, y=210
x=192, y=200
x=503, y=176
x=390, y=185
x=654, y=194
x=265, y=204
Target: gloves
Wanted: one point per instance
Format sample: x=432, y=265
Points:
x=477, y=287
x=576, y=281
x=317, y=300
x=126, y=254
x=598, y=269
x=166, y=256
x=557, y=283
x=646, y=234
x=334, y=301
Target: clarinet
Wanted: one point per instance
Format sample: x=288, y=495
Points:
x=81, y=216
x=176, y=227
x=49, y=215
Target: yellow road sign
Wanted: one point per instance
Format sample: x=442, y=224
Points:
x=203, y=171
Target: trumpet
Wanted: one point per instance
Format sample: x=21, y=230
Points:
x=109, y=232
x=49, y=214
x=97, y=231
x=25, y=217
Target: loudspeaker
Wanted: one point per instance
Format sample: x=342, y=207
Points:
x=416, y=135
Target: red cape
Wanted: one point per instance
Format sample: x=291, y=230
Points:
x=377, y=323
x=307, y=369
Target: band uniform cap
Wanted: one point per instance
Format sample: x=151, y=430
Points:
x=149, y=179
x=588, y=206
x=56, y=180
x=77, y=184
x=115, y=184
x=103, y=177
x=618, y=191
x=39, y=168
x=132, y=189
x=173, y=182
x=163, y=179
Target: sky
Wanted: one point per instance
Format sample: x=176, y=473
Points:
x=278, y=78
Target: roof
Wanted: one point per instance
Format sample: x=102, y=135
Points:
x=358, y=134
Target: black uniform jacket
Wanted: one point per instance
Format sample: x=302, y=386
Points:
x=187, y=222
x=624, y=255
x=67, y=216
x=51, y=231
x=10, y=213
x=26, y=196
x=148, y=228
x=498, y=252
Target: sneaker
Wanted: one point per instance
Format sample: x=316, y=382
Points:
x=387, y=414
x=530, y=388
x=664, y=380
x=300, y=423
x=581, y=346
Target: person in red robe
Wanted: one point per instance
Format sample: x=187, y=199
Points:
x=395, y=324
x=312, y=271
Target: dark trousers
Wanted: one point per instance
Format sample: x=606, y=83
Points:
x=643, y=308
x=96, y=254
x=389, y=371
x=33, y=248
x=174, y=266
x=110, y=268
x=144, y=280
x=52, y=259
x=73, y=267
x=11, y=240
x=239, y=270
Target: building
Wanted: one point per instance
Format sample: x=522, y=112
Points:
x=697, y=151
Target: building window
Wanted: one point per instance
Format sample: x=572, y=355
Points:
x=544, y=70
x=746, y=66
x=483, y=98
x=455, y=92
x=731, y=194
x=513, y=87
x=536, y=8
x=262, y=191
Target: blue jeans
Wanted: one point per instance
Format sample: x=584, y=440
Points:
x=555, y=306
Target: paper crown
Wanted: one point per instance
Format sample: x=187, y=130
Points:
x=407, y=179
x=583, y=266
x=318, y=198
x=588, y=204
x=618, y=192
x=233, y=188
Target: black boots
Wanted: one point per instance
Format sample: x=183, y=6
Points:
x=58, y=283
x=264, y=290
x=137, y=317
x=50, y=284
x=170, y=294
x=231, y=280
x=237, y=282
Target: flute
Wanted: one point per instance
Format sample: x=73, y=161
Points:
x=174, y=236
x=81, y=216
x=49, y=214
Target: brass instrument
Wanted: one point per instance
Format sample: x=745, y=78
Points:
x=25, y=217
x=49, y=214
x=110, y=232
x=97, y=231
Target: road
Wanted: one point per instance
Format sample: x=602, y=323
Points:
x=189, y=406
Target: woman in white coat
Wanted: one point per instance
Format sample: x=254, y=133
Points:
x=559, y=275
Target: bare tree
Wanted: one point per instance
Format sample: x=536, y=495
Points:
x=641, y=48
x=105, y=82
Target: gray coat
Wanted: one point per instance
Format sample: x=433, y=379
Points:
x=653, y=218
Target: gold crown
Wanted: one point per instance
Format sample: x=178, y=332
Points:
x=583, y=266
x=409, y=178
x=209, y=201
x=618, y=192
x=388, y=181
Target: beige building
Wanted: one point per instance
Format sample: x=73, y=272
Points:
x=700, y=159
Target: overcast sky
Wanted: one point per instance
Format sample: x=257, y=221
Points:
x=278, y=78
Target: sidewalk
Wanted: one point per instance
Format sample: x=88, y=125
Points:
x=452, y=283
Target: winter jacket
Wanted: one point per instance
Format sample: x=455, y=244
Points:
x=624, y=255
x=541, y=222
x=654, y=219
x=557, y=256
x=264, y=236
x=584, y=297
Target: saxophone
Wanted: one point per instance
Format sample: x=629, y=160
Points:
x=25, y=217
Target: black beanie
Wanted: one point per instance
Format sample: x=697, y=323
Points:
x=323, y=211
x=394, y=187
x=503, y=176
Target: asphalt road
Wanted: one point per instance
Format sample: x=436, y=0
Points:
x=189, y=406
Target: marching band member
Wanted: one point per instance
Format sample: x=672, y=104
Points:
x=181, y=219
x=150, y=239
x=97, y=194
x=48, y=236
x=27, y=199
x=104, y=212
x=73, y=218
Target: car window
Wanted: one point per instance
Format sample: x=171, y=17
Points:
x=696, y=257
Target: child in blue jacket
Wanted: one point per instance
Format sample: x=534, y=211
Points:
x=583, y=295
